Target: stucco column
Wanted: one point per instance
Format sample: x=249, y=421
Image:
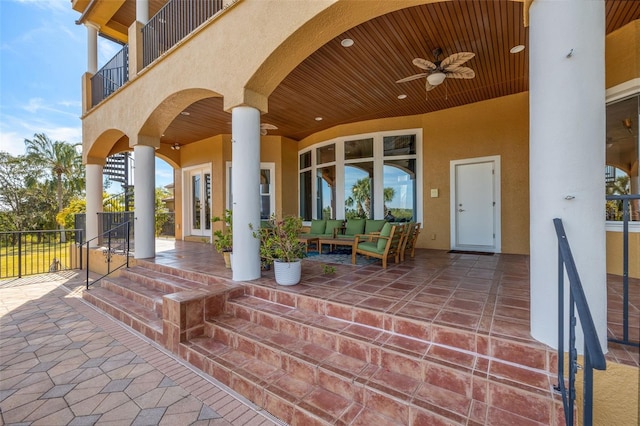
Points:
x=94, y=200
x=567, y=156
x=92, y=48
x=245, y=177
x=142, y=11
x=144, y=175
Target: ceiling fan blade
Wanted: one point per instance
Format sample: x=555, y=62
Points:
x=268, y=126
x=424, y=64
x=429, y=86
x=454, y=61
x=461, y=72
x=412, y=77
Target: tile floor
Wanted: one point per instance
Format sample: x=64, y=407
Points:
x=63, y=362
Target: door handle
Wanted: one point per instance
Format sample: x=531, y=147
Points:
x=460, y=210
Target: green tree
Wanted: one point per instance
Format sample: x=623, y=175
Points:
x=63, y=162
x=25, y=200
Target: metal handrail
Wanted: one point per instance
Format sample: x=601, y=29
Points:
x=109, y=251
x=593, y=355
x=626, y=215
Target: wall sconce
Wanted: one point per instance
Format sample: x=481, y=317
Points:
x=628, y=124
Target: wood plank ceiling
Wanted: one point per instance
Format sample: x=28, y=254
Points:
x=344, y=85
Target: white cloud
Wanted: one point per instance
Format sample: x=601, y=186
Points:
x=36, y=104
x=12, y=143
x=52, y=5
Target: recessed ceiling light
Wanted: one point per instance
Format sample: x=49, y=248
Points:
x=318, y=118
x=347, y=42
x=403, y=96
x=185, y=113
x=517, y=49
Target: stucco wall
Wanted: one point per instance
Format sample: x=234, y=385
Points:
x=622, y=54
x=614, y=253
x=495, y=127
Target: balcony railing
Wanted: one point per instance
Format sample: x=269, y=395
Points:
x=110, y=77
x=172, y=23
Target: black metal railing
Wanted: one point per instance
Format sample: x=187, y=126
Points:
x=172, y=23
x=38, y=252
x=116, y=245
x=593, y=355
x=110, y=77
x=624, y=203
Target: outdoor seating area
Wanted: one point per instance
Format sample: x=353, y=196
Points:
x=378, y=239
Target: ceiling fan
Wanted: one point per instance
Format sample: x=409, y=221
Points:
x=266, y=126
x=437, y=71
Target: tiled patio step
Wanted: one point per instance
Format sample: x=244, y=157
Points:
x=398, y=353
x=188, y=275
x=522, y=351
x=139, y=293
x=166, y=283
x=140, y=318
x=450, y=394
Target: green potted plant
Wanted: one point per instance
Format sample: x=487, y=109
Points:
x=279, y=244
x=223, y=238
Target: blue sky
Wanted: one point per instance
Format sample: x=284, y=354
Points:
x=43, y=55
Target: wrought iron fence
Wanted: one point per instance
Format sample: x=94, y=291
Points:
x=37, y=252
x=593, y=355
x=172, y=23
x=110, y=77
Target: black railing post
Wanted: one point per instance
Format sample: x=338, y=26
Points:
x=128, y=244
x=87, y=262
x=626, y=213
x=80, y=251
x=19, y=254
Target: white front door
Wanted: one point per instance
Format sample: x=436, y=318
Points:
x=475, y=209
x=199, y=201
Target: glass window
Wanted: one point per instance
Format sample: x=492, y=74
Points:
x=305, y=160
x=265, y=194
x=400, y=190
x=305, y=195
x=326, y=200
x=621, y=171
x=358, y=190
x=326, y=154
x=356, y=149
x=399, y=145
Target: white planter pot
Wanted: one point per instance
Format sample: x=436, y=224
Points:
x=287, y=273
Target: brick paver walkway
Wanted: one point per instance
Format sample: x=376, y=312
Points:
x=62, y=362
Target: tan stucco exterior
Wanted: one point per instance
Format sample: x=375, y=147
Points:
x=188, y=73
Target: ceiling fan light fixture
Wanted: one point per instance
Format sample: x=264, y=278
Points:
x=436, y=78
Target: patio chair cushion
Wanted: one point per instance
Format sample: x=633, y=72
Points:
x=374, y=225
x=318, y=226
x=370, y=247
x=331, y=225
x=384, y=232
x=354, y=227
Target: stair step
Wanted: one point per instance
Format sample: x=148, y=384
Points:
x=140, y=318
x=398, y=353
x=166, y=283
x=146, y=296
x=192, y=276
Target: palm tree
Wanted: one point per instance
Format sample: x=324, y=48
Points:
x=361, y=197
x=62, y=159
